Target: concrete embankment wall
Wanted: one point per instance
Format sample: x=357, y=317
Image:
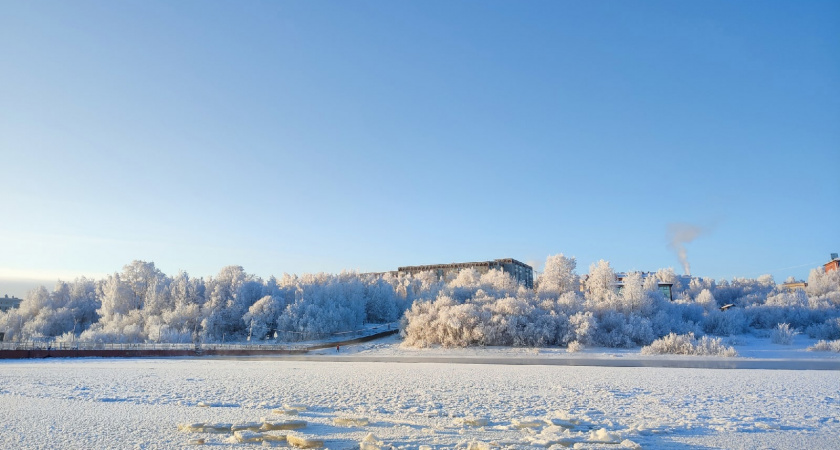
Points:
x=34, y=354
x=162, y=353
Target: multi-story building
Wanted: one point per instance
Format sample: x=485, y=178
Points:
x=665, y=288
x=7, y=303
x=834, y=264
x=519, y=271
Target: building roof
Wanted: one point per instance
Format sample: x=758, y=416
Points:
x=464, y=265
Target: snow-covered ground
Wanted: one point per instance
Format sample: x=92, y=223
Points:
x=138, y=403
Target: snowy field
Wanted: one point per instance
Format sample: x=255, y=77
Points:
x=138, y=403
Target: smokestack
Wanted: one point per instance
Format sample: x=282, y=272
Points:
x=680, y=234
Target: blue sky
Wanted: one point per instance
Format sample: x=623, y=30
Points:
x=320, y=136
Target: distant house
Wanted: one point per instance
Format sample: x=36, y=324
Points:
x=794, y=285
x=7, y=303
x=834, y=264
x=519, y=271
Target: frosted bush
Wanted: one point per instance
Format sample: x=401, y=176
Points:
x=574, y=347
x=616, y=329
x=687, y=344
x=725, y=323
x=482, y=320
x=795, y=298
x=613, y=333
x=584, y=327
x=826, y=346
x=767, y=317
x=829, y=330
x=783, y=334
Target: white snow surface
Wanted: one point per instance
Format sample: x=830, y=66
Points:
x=138, y=403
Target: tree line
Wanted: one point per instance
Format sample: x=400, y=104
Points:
x=142, y=304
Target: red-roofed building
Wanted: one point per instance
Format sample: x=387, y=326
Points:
x=834, y=264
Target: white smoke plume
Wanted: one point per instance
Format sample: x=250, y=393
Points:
x=680, y=234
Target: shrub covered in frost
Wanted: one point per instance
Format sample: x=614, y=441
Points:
x=829, y=330
x=483, y=320
x=725, y=323
x=825, y=346
x=782, y=334
x=687, y=344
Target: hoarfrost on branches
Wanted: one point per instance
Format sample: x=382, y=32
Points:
x=468, y=308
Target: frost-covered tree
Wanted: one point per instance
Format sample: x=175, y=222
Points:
x=634, y=297
x=824, y=287
x=381, y=304
x=707, y=300
x=600, y=286
x=229, y=295
x=117, y=299
x=324, y=304
x=558, y=276
x=262, y=316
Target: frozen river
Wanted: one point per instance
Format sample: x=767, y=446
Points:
x=670, y=361
x=137, y=403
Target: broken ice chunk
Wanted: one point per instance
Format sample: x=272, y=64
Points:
x=217, y=427
x=273, y=437
x=472, y=421
x=370, y=442
x=304, y=441
x=351, y=421
x=604, y=436
x=250, y=426
x=283, y=425
x=478, y=445
x=247, y=436
x=627, y=443
x=527, y=423
x=564, y=419
x=195, y=427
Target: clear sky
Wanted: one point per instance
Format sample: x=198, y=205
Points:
x=319, y=136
